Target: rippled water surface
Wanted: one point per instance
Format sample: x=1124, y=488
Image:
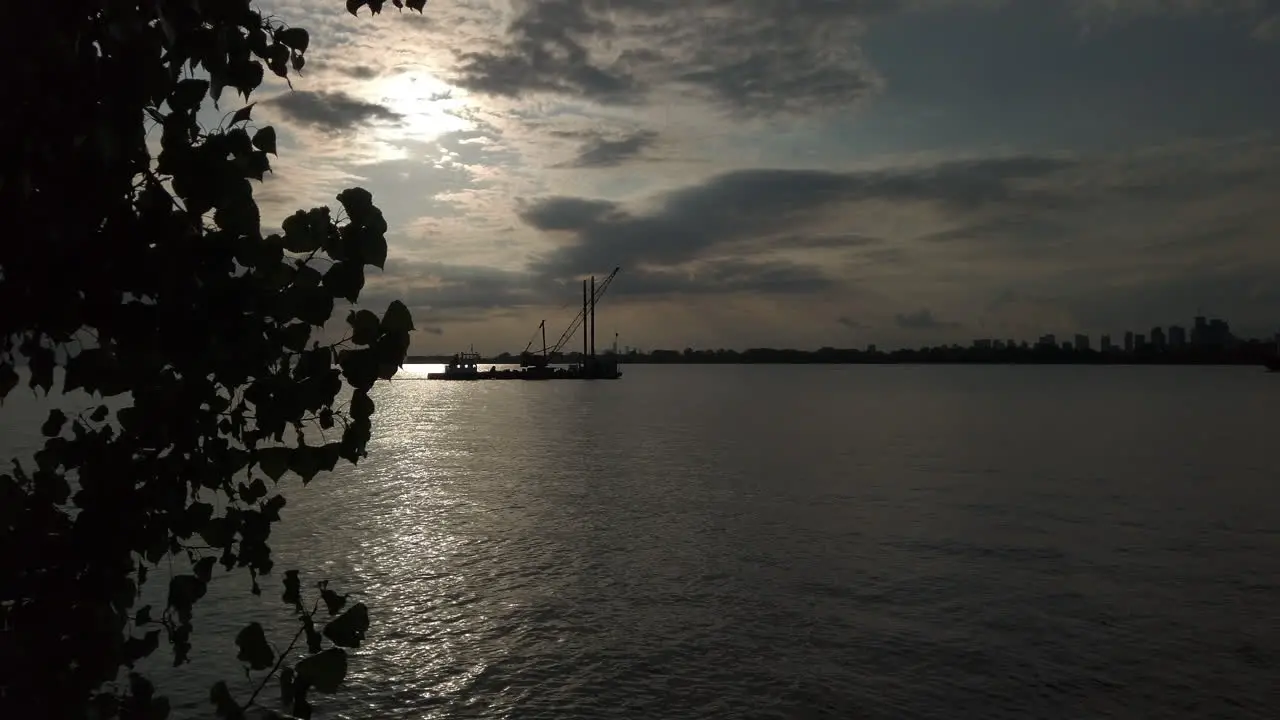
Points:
x=798, y=542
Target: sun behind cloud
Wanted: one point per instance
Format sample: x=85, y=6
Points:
x=428, y=107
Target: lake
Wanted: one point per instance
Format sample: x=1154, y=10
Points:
x=792, y=542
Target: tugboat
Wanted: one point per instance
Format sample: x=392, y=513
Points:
x=463, y=366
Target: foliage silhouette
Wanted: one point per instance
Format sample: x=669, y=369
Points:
x=148, y=279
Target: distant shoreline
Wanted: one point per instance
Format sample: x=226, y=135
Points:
x=1244, y=354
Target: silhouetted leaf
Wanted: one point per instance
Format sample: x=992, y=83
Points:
x=295, y=336
x=184, y=591
x=300, y=234
x=306, y=277
x=278, y=59
x=355, y=439
x=397, y=318
x=361, y=405
x=254, y=491
x=199, y=513
x=187, y=94
x=315, y=642
x=99, y=414
x=243, y=114
x=274, y=461
x=265, y=140
x=41, y=363
x=180, y=639
x=255, y=165
x=333, y=602
x=8, y=379
x=345, y=280
x=271, y=510
x=358, y=203
x=286, y=686
x=130, y=419
x=245, y=76
x=329, y=455
x=364, y=327
x=416, y=4
x=136, y=648
x=204, y=568
x=292, y=589
x=315, y=305
x=223, y=704
x=53, y=425
x=354, y=5
x=217, y=532
x=143, y=615
x=373, y=249
x=254, y=649
x=239, y=215
x=83, y=370
x=296, y=38
x=348, y=629
x=359, y=367
x=324, y=670
x=303, y=463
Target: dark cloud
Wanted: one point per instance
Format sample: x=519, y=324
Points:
x=602, y=152
x=750, y=56
x=727, y=276
x=759, y=206
x=444, y=287
x=570, y=213
x=544, y=53
x=922, y=319
x=849, y=323
x=331, y=111
x=355, y=71
x=841, y=240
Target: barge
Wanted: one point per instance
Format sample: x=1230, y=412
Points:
x=537, y=366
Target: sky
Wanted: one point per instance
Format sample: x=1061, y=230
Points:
x=797, y=173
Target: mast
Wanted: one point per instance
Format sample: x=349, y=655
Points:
x=543, y=325
x=584, y=312
x=593, y=317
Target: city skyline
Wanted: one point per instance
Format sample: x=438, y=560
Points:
x=1204, y=333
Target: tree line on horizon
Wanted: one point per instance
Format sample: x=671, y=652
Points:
x=1248, y=352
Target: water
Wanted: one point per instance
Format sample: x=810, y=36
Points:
x=796, y=542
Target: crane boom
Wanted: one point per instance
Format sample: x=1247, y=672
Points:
x=528, y=359
x=581, y=317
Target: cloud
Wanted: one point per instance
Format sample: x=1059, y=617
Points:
x=1260, y=16
x=922, y=319
x=329, y=110
x=782, y=209
x=359, y=72
x=747, y=56
x=1269, y=29
x=849, y=323
x=602, y=152
x=726, y=277
x=544, y=52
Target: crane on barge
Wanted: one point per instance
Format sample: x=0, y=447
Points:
x=531, y=359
